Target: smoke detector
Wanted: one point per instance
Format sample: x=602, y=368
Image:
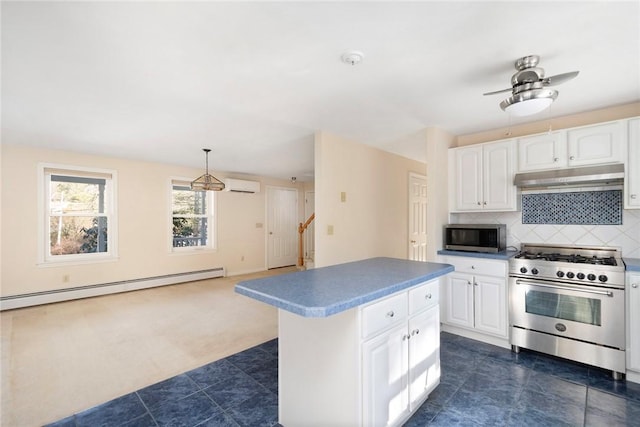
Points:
x=352, y=57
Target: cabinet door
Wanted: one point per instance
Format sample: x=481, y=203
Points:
x=632, y=181
x=633, y=322
x=491, y=305
x=424, y=355
x=596, y=144
x=468, y=178
x=384, y=379
x=498, y=166
x=459, y=300
x=546, y=151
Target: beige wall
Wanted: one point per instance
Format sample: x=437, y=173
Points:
x=373, y=221
x=564, y=122
x=143, y=220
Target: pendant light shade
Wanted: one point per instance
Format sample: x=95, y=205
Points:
x=207, y=182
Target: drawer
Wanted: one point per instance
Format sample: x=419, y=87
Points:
x=478, y=266
x=424, y=296
x=380, y=315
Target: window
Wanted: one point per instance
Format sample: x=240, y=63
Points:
x=192, y=217
x=79, y=224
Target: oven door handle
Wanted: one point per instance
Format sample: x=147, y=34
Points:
x=565, y=288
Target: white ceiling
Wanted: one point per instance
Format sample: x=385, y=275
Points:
x=254, y=81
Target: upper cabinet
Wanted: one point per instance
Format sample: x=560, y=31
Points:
x=481, y=177
x=588, y=145
x=632, y=169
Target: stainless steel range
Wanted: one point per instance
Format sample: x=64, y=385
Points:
x=569, y=302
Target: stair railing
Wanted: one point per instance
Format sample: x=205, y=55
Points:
x=301, y=229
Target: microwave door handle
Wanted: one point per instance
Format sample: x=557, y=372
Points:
x=565, y=288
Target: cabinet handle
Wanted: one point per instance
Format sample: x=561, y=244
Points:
x=484, y=203
x=405, y=337
x=633, y=196
x=427, y=296
x=475, y=283
x=415, y=332
x=478, y=203
x=468, y=282
x=391, y=314
x=473, y=267
x=572, y=158
x=555, y=159
x=635, y=285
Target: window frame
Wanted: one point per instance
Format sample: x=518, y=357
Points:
x=45, y=171
x=212, y=219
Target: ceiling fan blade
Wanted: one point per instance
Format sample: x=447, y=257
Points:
x=560, y=78
x=498, y=91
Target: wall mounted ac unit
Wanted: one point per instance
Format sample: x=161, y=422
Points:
x=241, y=185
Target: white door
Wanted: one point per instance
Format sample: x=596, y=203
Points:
x=459, y=300
x=468, y=178
x=309, y=239
x=596, y=144
x=282, y=227
x=384, y=377
x=498, y=164
x=424, y=355
x=417, y=217
x=491, y=305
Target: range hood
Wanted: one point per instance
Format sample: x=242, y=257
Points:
x=573, y=177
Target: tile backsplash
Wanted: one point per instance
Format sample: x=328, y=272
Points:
x=625, y=236
x=584, y=207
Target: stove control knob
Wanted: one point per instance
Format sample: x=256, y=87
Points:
x=534, y=271
x=603, y=278
x=560, y=274
x=570, y=275
x=591, y=276
x=580, y=276
x=523, y=270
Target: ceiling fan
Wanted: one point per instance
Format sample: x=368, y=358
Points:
x=529, y=87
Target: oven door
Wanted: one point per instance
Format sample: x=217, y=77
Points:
x=587, y=313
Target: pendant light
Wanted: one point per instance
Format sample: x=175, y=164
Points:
x=207, y=182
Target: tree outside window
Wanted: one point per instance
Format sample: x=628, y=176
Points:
x=192, y=217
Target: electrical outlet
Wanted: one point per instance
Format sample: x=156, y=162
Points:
x=330, y=230
x=343, y=196
x=242, y=258
x=258, y=225
x=65, y=278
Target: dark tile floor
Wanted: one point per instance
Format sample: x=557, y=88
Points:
x=481, y=385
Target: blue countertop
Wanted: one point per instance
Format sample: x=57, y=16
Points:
x=324, y=291
x=632, y=264
x=504, y=255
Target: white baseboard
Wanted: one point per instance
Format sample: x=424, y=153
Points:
x=47, y=297
x=241, y=272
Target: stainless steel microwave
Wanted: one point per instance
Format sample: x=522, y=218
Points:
x=489, y=238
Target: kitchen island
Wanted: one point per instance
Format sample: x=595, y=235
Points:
x=358, y=342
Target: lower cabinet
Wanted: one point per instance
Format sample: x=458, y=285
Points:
x=633, y=327
x=401, y=365
x=476, y=296
x=370, y=366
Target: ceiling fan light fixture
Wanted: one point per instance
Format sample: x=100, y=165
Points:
x=529, y=102
x=207, y=182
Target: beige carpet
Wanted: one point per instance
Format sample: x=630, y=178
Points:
x=62, y=358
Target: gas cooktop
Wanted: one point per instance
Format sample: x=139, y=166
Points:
x=585, y=265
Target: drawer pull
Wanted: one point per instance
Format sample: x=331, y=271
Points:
x=391, y=314
x=427, y=296
x=405, y=337
x=415, y=332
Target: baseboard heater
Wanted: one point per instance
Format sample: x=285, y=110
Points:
x=47, y=297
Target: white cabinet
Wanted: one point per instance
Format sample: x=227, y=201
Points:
x=632, y=169
x=633, y=326
x=401, y=363
x=476, y=295
x=544, y=151
x=481, y=177
x=587, y=145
